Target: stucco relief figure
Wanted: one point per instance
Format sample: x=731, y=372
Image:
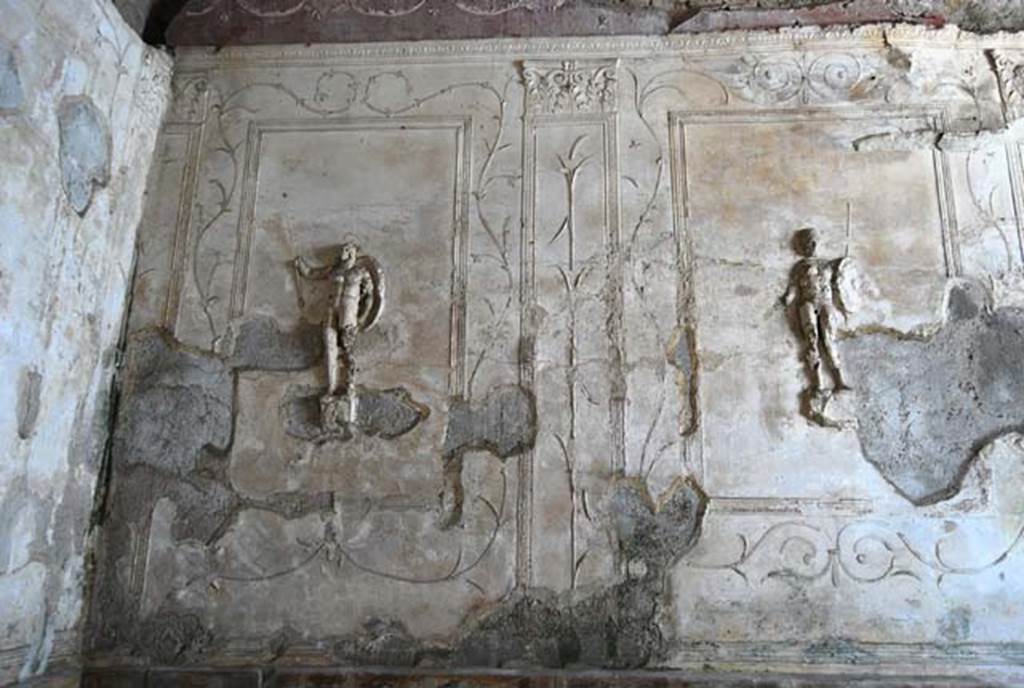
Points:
x=355, y=305
x=816, y=288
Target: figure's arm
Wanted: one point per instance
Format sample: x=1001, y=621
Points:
x=789, y=296
x=836, y=278
x=791, y=291
x=310, y=272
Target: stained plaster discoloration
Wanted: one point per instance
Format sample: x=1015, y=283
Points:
x=12, y=95
x=85, y=145
x=927, y=405
x=29, y=389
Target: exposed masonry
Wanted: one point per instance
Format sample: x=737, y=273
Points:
x=926, y=405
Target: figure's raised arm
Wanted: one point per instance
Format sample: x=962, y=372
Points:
x=310, y=272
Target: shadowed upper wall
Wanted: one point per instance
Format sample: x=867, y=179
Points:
x=234, y=22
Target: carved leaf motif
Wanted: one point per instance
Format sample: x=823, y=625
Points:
x=570, y=87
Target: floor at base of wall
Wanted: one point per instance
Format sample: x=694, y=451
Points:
x=329, y=678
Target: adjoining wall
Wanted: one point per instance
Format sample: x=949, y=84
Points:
x=81, y=100
x=243, y=22
x=588, y=428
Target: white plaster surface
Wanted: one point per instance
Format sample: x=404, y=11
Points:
x=63, y=287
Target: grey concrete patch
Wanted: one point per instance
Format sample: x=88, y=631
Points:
x=656, y=534
x=29, y=387
x=85, y=148
x=613, y=628
x=11, y=93
x=388, y=413
x=926, y=407
x=175, y=403
x=504, y=424
x=259, y=344
x=175, y=423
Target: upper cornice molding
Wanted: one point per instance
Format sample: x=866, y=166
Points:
x=487, y=50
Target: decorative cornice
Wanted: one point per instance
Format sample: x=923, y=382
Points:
x=870, y=37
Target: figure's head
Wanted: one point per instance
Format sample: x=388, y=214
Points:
x=805, y=242
x=347, y=254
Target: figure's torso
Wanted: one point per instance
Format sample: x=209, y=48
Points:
x=348, y=291
x=814, y=282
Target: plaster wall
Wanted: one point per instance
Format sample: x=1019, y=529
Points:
x=590, y=439
x=81, y=99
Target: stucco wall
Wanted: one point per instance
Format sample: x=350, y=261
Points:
x=76, y=84
x=588, y=431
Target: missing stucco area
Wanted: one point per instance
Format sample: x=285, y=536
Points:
x=928, y=405
x=175, y=425
x=504, y=424
x=617, y=627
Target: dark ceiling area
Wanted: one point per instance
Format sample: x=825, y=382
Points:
x=244, y=22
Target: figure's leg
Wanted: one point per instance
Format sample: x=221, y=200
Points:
x=812, y=356
x=827, y=326
x=331, y=357
x=348, y=340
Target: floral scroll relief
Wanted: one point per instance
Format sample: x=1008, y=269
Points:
x=860, y=552
x=806, y=79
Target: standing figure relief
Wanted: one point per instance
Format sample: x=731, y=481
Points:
x=816, y=289
x=355, y=305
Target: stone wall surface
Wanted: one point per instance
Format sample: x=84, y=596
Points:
x=614, y=411
x=81, y=100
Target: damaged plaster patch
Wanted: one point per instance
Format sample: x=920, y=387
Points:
x=177, y=402
x=926, y=407
x=84, y=150
x=173, y=638
x=259, y=344
x=175, y=424
x=682, y=355
x=656, y=534
x=504, y=424
x=388, y=413
x=29, y=387
x=11, y=93
x=614, y=627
